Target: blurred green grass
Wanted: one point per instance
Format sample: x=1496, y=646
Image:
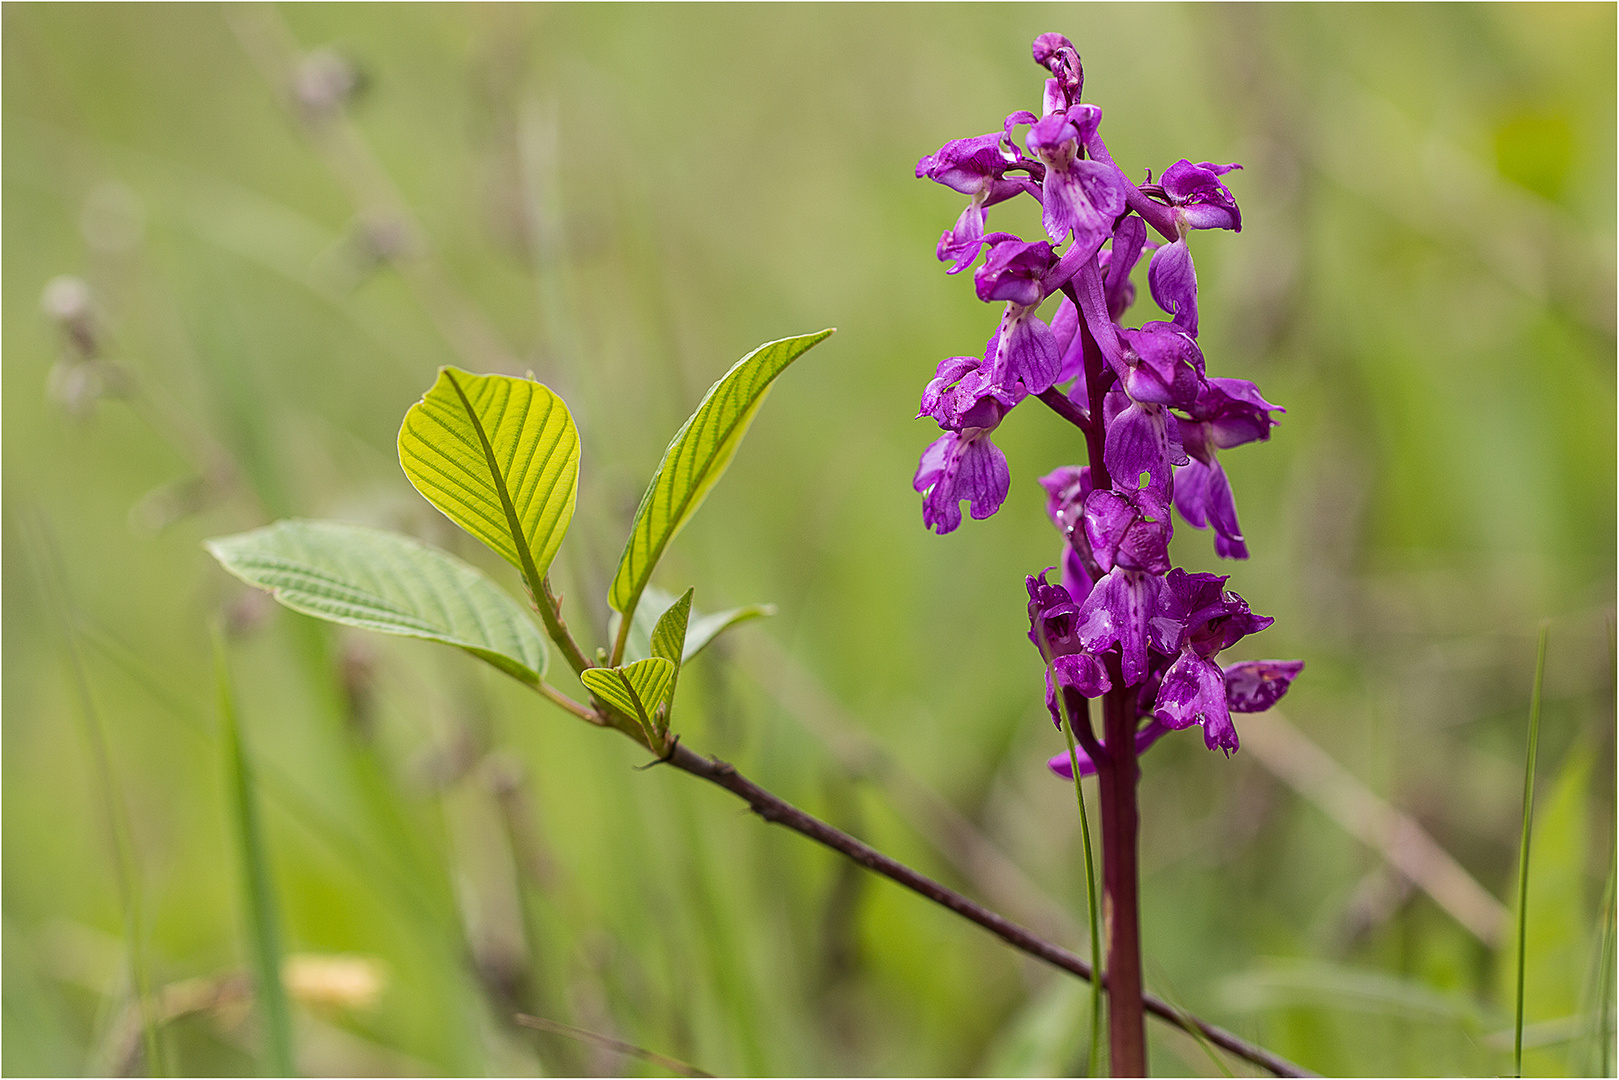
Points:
x=631, y=198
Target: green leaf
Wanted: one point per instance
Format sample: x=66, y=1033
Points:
x=695, y=460
x=669, y=642
x=704, y=630
x=498, y=456
x=634, y=690
x=701, y=630
x=379, y=580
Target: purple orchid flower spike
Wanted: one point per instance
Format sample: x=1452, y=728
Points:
x=1122, y=624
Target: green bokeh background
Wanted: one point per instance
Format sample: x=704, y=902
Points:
x=627, y=199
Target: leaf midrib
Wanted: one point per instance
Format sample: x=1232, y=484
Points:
x=664, y=481
x=531, y=573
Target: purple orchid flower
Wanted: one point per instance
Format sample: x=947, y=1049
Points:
x=1066, y=489
x=1173, y=281
x=975, y=167
x=1024, y=351
x=1255, y=685
x=1057, y=54
x=1129, y=239
x=1080, y=198
x=1197, y=618
x=1126, y=536
x=1053, y=628
x=963, y=463
x=1143, y=439
x=1162, y=365
x=1251, y=686
x=1200, y=200
x=1228, y=412
x=971, y=166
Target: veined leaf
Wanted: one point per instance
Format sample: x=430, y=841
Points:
x=379, y=580
x=498, y=456
x=634, y=690
x=701, y=630
x=704, y=630
x=669, y=642
x=695, y=460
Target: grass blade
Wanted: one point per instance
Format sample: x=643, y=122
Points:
x=263, y=927
x=1090, y=891
x=120, y=840
x=1523, y=846
x=617, y=1046
x=1091, y=908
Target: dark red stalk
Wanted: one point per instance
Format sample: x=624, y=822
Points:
x=1121, y=908
x=1116, y=775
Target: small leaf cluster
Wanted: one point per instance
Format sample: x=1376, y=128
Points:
x=499, y=456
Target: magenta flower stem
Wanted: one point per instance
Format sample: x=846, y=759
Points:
x=1116, y=775
x=1116, y=778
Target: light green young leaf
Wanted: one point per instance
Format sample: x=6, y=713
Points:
x=669, y=642
x=379, y=580
x=634, y=690
x=701, y=629
x=695, y=460
x=498, y=456
x=704, y=630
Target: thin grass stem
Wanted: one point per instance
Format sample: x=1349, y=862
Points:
x=617, y=1046
x=1090, y=889
x=120, y=837
x=1605, y=974
x=263, y=927
x=1523, y=845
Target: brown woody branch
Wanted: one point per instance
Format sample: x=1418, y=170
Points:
x=780, y=812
